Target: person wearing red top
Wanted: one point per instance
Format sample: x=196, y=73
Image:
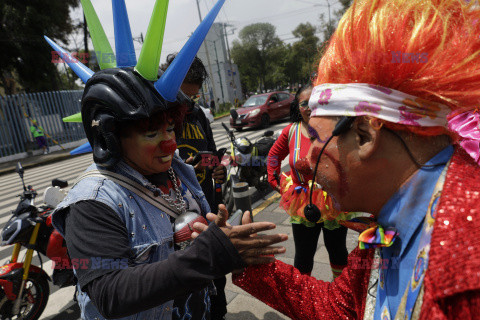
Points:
x=294, y=187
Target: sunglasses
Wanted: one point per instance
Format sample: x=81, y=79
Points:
x=303, y=104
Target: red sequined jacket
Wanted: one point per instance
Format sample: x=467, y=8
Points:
x=452, y=280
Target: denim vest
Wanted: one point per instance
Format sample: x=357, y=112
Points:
x=150, y=230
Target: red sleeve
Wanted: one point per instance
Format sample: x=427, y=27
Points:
x=298, y=296
x=465, y=305
x=278, y=152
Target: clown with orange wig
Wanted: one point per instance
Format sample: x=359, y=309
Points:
x=398, y=100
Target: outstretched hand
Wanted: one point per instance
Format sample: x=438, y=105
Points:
x=253, y=248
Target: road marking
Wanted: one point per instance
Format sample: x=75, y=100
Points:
x=265, y=204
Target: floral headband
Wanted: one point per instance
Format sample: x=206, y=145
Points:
x=362, y=99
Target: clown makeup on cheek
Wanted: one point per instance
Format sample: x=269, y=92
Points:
x=160, y=135
x=342, y=178
x=314, y=135
x=330, y=172
x=314, y=155
x=160, y=143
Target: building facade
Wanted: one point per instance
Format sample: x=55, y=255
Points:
x=224, y=79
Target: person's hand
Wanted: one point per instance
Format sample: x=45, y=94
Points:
x=199, y=167
x=219, y=174
x=253, y=248
x=278, y=189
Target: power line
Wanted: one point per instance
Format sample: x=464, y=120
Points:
x=222, y=10
x=281, y=15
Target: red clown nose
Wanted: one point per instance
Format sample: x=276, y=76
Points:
x=168, y=146
x=303, y=166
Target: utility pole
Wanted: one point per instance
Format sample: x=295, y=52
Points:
x=208, y=56
x=330, y=28
x=218, y=68
x=329, y=18
x=230, y=63
x=226, y=40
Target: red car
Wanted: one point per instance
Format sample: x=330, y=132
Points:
x=260, y=109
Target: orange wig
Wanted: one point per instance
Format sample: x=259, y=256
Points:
x=426, y=48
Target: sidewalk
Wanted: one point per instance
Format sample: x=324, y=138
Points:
x=33, y=161
x=241, y=305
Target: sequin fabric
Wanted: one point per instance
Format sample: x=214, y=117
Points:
x=298, y=296
x=452, y=281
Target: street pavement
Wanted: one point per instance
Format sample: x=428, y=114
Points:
x=40, y=170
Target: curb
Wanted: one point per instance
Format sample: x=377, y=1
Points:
x=220, y=117
x=36, y=164
x=265, y=204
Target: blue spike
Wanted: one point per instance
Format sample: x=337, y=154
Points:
x=79, y=68
x=124, y=48
x=84, y=148
x=170, y=82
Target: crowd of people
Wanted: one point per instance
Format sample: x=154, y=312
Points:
x=397, y=140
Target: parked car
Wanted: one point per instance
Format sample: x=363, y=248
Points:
x=260, y=109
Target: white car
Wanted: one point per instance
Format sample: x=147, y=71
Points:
x=208, y=113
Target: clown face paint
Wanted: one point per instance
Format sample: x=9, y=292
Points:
x=150, y=152
x=331, y=171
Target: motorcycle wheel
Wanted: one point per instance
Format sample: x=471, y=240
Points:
x=228, y=196
x=34, y=299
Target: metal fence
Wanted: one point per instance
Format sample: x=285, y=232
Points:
x=48, y=109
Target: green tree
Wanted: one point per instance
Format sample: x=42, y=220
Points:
x=291, y=66
x=25, y=53
x=258, y=55
x=306, y=49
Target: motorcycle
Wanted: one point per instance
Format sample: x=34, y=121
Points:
x=247, y=163
x=25, y=289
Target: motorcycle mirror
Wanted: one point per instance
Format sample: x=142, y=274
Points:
x=59, y=183
x=19, y=169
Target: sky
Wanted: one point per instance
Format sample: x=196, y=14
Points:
x=182, y=18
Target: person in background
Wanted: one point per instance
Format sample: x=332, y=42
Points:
x=39, y=136
x=294, y=142
x=197, y=133
x=212, y=106
x=197, y=136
